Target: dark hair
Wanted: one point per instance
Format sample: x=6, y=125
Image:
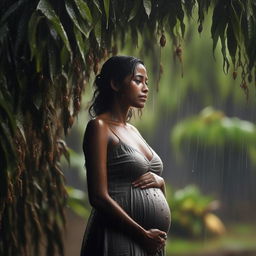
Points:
x=114, y=69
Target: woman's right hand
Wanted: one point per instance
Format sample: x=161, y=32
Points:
x=154, y=240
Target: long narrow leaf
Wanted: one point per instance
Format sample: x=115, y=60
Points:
x=32, y=29
x=7, y=113
x=134, y=10
x=147, y=6
x=78, y=22
x=80, y=44
x=106, y=7
x=45, y=7
x=84, y=10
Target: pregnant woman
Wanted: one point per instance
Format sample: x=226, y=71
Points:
x=130, y=215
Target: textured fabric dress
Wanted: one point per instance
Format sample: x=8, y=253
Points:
x=148, y=207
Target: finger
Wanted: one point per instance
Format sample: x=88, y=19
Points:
x=151, y=184
x=141, y=178
x=162, y=241
x=163, y=235
x=143, y=181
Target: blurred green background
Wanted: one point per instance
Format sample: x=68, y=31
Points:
x=202, y=126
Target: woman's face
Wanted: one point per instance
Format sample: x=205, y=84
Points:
x=134, y=90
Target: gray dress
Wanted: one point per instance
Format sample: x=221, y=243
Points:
x=148, y=207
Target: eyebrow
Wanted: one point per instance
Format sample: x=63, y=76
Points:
x=140, y=76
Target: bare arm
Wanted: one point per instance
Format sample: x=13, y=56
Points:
x=95, y=149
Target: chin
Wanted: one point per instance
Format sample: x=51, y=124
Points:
x=140, y=106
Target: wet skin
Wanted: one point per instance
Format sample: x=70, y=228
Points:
x=98, y=137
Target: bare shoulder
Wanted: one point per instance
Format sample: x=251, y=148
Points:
x=96, y=130
x=132, y=127
x=96, y=124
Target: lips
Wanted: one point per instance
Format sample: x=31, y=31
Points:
x=144, y=97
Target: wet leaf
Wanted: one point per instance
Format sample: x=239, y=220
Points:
x=106, y=7
x=147, y=6
x=134, y=10
x=97, y=32
x=45, y=7
x=32, y=35
x=78, y=22
x=84, y=10
x=52, y=60
x=4, y=106
x=231, y=43
x=80, y=44
x=11, y=10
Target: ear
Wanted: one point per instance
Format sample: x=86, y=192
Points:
x=114, y=86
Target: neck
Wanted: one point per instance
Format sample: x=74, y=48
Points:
x=119, y=113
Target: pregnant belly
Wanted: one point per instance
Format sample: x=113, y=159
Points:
x=150, y=208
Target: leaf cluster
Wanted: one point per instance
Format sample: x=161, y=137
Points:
x=190, y=208
x=211, y=128
x=48, y=50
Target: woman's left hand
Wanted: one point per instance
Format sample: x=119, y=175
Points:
x=149, y=180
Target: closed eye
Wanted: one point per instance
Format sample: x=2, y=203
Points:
x=137, y=81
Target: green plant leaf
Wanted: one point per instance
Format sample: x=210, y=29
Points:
x=231, y=43
x=11, y=10
x=147, y=6
x=77, y=202
x=7, y=113
x=97, y=31
x=180, y=16
x=7, y=142
x=134, y=10
x=84, y=10
x=78, y=22
x=80, y=44
x=45, y=7
x=236, y=18
x=22, y=29
x=52, y=60
x=32, y=35
x=106, y=7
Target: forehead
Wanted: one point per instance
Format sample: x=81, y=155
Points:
x=140, y=70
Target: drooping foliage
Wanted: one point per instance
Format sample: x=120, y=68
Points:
x=214, y=128
x=47, y=52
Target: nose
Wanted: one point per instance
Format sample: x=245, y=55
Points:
x=145, y=88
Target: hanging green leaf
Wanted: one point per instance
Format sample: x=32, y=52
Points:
x=147, y=6
x=45, y=7
x=180, y=16
x=84, y=10
x=52, y=61
x=97, y=31
x=80, y=44
x=22, y=29
x=78, y=22
x=236, y=21
x=106, y=7
x=11, y=10
x=134, y=10
x=231, y=43
x=7, y=115
x=32, y=35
